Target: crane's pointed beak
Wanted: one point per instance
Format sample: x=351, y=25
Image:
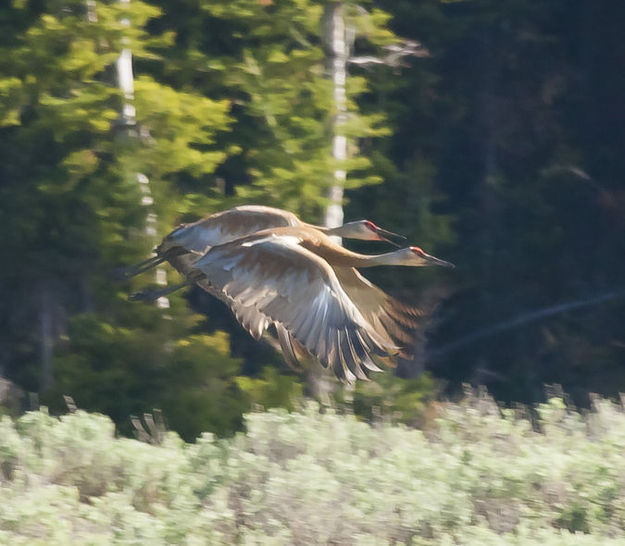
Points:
x=384, y=234
x=433, y=260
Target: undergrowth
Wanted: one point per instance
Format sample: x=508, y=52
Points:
x=479, y=474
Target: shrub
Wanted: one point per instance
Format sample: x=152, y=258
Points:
x=479, y=475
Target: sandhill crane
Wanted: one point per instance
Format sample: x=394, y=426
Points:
x=184, y=245
x=300, y=279
x=186, y=240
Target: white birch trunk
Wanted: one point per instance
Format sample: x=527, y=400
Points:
x=125, y=80
x=339, y=53
x=335, y=37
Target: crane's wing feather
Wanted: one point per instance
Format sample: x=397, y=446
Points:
x=385, y=314
x=256, y=323
x=298, y=289
x=292, y=350
x=227, y=226
x=249, y=317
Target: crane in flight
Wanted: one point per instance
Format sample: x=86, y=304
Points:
x=185, y=244
x=188, y=241
x=301, y=280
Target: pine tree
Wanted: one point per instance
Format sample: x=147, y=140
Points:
x=274, y=69
x=73, y=209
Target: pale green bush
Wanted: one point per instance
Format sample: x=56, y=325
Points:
x=480, y=475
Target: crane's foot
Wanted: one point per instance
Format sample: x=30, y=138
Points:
x=153, y=295
x=123, y=273
x=146, y=295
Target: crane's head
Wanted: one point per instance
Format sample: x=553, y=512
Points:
x=415, y=257
x=365, y=230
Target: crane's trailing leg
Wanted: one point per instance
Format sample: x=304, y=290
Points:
x=146, y=265
x=153, y=295
x=136, y=269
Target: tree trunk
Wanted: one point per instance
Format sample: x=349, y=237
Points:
x=337, y=50
x=125, y=80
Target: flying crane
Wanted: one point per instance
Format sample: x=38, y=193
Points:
x=301, y=280
x=185, y=243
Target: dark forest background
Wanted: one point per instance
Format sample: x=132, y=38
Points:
x=501, y=150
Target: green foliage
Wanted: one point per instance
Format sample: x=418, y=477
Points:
x=272, y=389
x=70, y=183
x=276, y=67
x=124, y=371
x=480, y=475
x=184, y=123
x=394, y=398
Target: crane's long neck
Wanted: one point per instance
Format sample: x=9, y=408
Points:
x=396, y=257
x=322, y=229
x=342, y=257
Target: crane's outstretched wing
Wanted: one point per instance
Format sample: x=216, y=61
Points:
x=226, y=226
x=385, y=314
x=299, y=290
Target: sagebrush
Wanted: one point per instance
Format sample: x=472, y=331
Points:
x=478, y=475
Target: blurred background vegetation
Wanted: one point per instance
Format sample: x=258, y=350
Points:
x=500, y=150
